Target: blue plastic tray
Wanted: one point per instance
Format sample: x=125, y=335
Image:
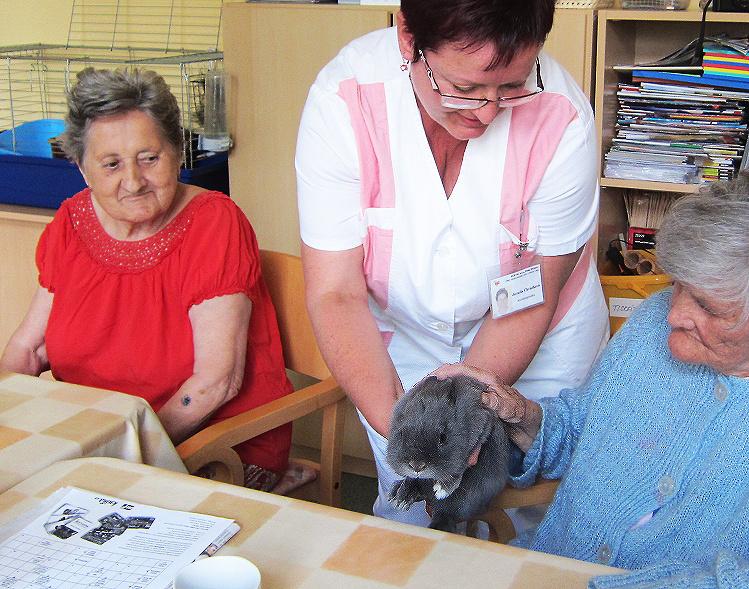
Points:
x=46, y=182
x=31, y=138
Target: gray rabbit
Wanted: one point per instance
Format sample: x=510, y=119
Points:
x=435, y=427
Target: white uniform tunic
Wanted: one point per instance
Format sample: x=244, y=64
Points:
x=366, y=176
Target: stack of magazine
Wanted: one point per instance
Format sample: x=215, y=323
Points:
x=675, y=125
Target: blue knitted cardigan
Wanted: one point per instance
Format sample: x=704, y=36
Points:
x=647, y=434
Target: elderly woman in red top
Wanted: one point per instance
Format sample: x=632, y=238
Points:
x=149, y=286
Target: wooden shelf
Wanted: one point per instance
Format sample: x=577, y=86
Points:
x=21, y=213
x=649, y=185
x=673, y=16
x=273, y=5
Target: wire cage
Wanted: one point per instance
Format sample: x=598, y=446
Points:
x=34, y=80
x=177, y=38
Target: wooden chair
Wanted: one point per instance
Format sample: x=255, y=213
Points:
x=212, y=446
x=501, y=528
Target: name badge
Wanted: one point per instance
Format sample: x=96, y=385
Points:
x=517, y=291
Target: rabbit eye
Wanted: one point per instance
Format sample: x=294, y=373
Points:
x=443, y=439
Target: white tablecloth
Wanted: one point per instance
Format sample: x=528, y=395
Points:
x=44, y=421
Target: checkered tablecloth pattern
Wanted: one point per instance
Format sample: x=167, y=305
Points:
x=45, y=421
x=301, y=545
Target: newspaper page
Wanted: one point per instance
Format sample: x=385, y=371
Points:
x=90, y=539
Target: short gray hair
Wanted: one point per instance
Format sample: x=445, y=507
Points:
x=704, y=241
x=101, y=93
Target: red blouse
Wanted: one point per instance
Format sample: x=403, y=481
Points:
x=119, y=316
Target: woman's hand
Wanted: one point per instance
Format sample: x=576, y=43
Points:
x=522, y=416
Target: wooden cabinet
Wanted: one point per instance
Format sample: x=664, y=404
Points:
x=627, y=37
x=274, y=52
x=20, y=228
x=572, y=43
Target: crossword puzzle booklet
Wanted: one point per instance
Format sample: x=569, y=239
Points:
x=79, y=538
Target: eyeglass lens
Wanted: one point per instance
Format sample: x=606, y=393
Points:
x=524, y=94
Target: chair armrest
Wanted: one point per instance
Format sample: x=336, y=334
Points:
x=501, y=528
x=212, y=443
x=540, y=492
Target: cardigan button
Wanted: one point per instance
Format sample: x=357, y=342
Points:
x=604, y=554
x=720, y=391
x=666, y=486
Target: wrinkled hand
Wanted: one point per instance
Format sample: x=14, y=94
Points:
x=522, y=416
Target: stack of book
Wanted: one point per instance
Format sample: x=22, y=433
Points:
x=677, y=126
x=723, y=63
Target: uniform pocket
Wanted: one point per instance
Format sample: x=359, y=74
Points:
x=378, y=252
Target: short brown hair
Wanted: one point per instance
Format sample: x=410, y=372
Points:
x=510, y=25
x=100, y=93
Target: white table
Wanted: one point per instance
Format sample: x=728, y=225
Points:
x=302, y=545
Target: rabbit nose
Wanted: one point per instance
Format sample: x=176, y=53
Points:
x=416, y=465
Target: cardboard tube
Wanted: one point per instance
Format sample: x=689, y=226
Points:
x=645, y=267
x=632, y=258
x=642, y=262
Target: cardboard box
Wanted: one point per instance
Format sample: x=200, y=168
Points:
x=641, y=238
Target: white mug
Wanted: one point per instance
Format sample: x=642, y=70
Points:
x=219, y=572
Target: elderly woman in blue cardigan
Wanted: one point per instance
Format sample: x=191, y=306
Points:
x=653, y=451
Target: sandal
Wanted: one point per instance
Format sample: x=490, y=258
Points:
x=259, y=478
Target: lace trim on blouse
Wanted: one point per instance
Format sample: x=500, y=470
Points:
x=128, y=256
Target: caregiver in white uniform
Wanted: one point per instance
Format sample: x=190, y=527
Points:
x=438, y=162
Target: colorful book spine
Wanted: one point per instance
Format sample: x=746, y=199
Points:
x=731, y=57
x=716, y=81
x=725, y=63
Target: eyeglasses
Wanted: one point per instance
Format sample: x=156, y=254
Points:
x=466, y=103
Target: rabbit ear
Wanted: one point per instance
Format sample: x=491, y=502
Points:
x=429, y=381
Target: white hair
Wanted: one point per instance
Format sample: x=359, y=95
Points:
x=704, y=241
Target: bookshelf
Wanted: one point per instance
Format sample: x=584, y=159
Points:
x=637, y=36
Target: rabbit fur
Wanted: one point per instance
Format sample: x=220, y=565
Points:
x=434, y=429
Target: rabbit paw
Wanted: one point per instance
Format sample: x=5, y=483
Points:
x=439, y=491
x=405, y=493
x=444, y=489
